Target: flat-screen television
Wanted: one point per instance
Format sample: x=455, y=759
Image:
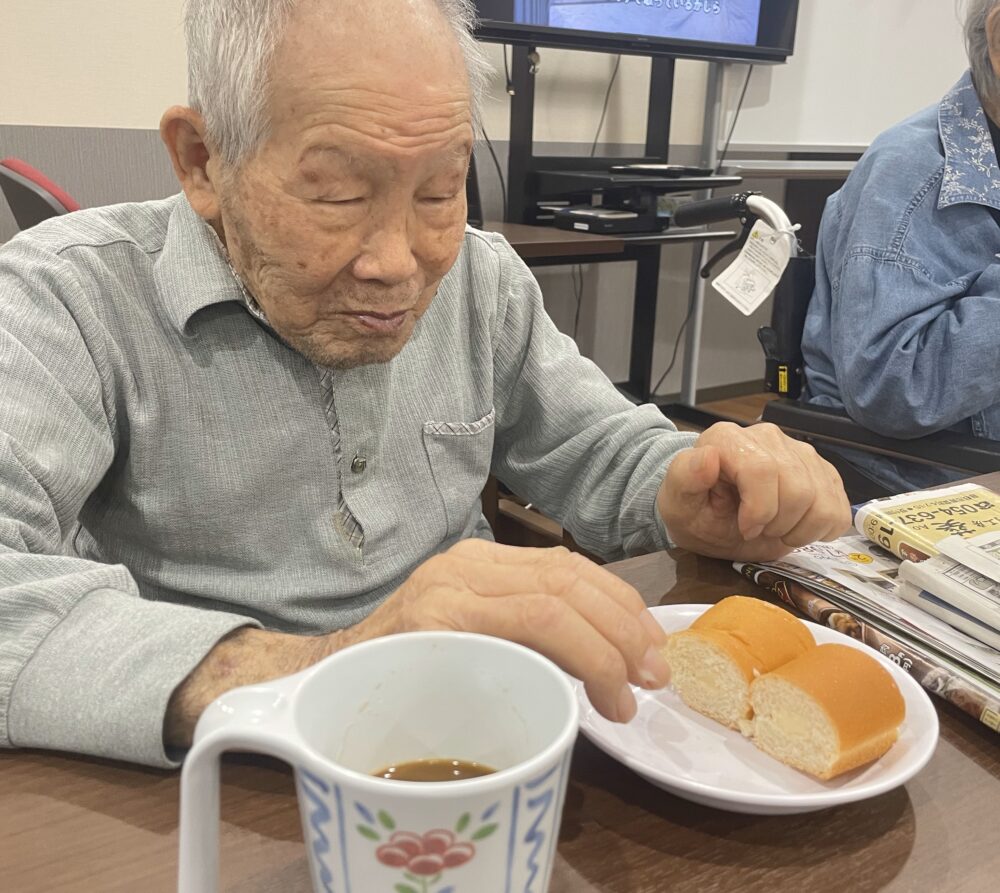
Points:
x=751, y=30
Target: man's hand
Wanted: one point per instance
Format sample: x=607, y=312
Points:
x=751, y=494
x=584, y=618
x=591, y=623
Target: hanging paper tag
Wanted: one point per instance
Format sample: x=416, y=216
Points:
x=749, y=279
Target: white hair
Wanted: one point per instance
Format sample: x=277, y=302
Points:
x=230, y=45
x=977, y=45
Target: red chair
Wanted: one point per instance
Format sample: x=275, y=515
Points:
x=31, y=195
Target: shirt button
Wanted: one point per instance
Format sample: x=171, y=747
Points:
x=359, y=464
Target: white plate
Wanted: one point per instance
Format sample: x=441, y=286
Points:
x=698, y=759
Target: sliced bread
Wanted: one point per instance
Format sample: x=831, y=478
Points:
x=714, y=661
x=826, y=712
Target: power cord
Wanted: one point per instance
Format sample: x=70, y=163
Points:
x=736, y=117
x=722, y=158
x=577, y=273
x=489, y=142
x=496, y=164
x=604, y=110
x=578, y=270
x=673, y=357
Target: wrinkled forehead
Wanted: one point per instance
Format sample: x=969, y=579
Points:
x=400, y=56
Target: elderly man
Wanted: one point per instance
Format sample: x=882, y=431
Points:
x=903, y=330
x=248, y=426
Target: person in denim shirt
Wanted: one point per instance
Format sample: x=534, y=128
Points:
x=903, y=329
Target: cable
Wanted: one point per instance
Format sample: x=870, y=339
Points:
x=489, y=143
x=722, y=158
x=736, y=117
x=604, y=110
x=673, y=358
x=496, y=163
x=578, y=286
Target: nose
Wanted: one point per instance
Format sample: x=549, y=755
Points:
x=387, y=254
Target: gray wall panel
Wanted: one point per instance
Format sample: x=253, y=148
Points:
x=97, y=166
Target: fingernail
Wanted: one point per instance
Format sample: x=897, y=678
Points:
x=753, y=532
x=653, y=629
x=627, y=707
x=654, y=672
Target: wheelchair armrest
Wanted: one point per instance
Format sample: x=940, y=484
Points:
x=962, y=452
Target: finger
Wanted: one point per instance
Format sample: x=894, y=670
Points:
x=829, y=513
x=488, y=550
x=687, y=490
x=550, y=626
x=797, y=499
x=753, y=469
x=624, y=624
x=815, y=525
x=550, y=571
x=693, y=473
x=843, y=519
x=762, y=549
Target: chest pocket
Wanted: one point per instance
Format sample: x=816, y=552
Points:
x=460, y=454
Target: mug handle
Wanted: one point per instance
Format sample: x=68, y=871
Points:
x=253, y=718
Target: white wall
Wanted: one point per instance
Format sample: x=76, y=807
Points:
x=569, y=92
x=859, y=67
x=118, y=63
x=90, y=63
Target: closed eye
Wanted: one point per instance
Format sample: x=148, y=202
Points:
x=438, y=199
x=356, y=200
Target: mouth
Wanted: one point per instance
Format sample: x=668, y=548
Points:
x=380, y=322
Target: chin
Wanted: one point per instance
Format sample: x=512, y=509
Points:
x=333, y=354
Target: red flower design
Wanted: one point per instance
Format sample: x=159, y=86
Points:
x=424, y=855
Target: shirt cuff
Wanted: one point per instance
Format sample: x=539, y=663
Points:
x=100, y=681
x=653, y=536
x=663, y=535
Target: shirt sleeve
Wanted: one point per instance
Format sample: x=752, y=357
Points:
x=86, y=664
x=912, y=355
x=566, y=438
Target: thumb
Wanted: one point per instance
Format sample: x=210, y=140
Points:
x=694, y=473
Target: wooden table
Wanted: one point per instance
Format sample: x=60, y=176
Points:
x=532, y=242
x=77, y=824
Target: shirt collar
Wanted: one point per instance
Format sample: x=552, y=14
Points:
x=971, y=172
x=194, y=272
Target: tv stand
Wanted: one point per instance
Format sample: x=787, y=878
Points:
x=578, y=178
x=523, y=167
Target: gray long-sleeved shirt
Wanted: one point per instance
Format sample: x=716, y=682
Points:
x=170, y=470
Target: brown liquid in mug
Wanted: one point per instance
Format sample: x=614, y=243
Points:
x=434, y=770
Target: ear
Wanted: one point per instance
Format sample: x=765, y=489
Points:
x=993, y=38
x=196, y=166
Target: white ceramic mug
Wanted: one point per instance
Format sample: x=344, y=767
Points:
x=390, y=700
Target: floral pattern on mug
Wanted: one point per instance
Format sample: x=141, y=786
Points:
x=423, y=858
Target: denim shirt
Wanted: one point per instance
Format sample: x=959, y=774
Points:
x=903, y=330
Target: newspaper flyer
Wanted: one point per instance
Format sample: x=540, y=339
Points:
x=911, y=525
x=865, y=580
x=937, y=674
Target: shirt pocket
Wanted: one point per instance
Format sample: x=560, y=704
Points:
x=460, y=454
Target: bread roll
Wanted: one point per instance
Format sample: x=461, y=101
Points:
x=713, y=662
x=827, y=712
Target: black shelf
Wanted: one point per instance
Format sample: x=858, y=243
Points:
x=574, y=179
x=563, y=182
x=677, y=234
